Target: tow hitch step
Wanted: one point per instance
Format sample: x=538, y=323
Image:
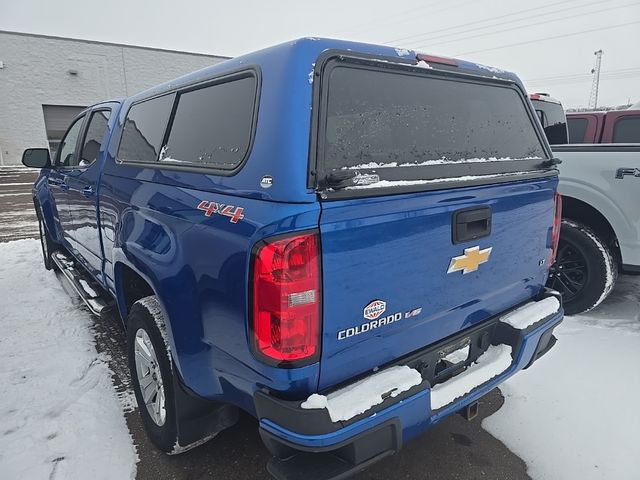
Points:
x=470, y=411
x=83, y=284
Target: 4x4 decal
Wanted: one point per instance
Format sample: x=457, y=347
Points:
x=234, y=213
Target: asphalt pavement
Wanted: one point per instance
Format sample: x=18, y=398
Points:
x=454, y=449
x=17, y=216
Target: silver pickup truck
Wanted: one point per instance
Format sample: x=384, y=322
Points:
x=600, y=234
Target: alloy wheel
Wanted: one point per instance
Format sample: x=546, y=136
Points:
x=150, y=377
x=570, y=273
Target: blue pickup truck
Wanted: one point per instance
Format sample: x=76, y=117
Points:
x=348, y=241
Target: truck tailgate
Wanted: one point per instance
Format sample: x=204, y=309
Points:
x=386, y=290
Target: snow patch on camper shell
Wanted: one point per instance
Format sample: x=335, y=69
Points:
x=404, y=183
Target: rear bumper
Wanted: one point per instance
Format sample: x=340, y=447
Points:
x=299, y=437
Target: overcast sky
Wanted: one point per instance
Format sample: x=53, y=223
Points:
x=549, y=43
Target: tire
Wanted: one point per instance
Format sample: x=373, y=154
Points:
x=48, y=246
x=585, y=271
x=150, y=365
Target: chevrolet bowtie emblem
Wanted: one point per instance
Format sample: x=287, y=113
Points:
x=470, y=261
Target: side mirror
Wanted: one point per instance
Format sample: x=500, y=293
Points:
x=36, y=158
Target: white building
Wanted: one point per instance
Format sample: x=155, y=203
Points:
x=45, y=81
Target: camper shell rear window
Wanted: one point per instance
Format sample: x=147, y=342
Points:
x=394, y=126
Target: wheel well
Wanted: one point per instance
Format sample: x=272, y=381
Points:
x=134, y=287
x=48, y=228
x=585, y=214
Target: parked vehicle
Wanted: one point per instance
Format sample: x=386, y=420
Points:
x=552, y=117
x=600, y=234
x=348, y=241
x=616, y=126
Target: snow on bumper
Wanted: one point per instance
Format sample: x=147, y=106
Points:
x=362, y=406
x=497, y=359
x=493, y=362
x=531, y=313
x=346, y=403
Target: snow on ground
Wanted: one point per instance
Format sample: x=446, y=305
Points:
x=59, y=414
x=574, y=413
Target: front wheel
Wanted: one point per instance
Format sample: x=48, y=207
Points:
x=584, y=271
x=45, y=242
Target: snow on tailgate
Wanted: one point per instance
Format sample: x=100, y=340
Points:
x=59, y=414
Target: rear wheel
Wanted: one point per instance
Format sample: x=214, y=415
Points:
x=585, y=271
x=151, y=373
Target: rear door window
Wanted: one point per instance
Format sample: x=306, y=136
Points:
x=627, y=130
x=577, y=129
x=212, y=125
x=144, y=129
x=413, y=127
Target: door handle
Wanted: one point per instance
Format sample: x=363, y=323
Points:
x=87, y=191
x=621, y=172
x=57, y=182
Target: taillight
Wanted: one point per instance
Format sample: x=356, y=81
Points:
x=286, y=300
x=555, y=232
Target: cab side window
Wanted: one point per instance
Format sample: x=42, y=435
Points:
x=627, y=130
x=577, y=129
x=67, y=150
x=144, y=128
x=94, y=137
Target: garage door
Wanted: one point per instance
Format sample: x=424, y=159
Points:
x=57, y=119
